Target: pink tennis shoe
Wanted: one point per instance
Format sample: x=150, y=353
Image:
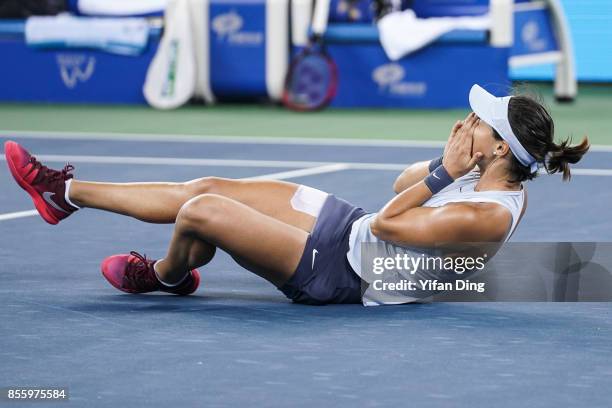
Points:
x=46, y=186
x=134, y=273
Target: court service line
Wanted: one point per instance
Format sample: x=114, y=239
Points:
x=170, y=138
x=401, y=167
x=178, y=161
x=284, y=175
x=175, y=161
x=183, y=138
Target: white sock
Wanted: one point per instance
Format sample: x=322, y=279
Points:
x=67, y=194
x=164, y=283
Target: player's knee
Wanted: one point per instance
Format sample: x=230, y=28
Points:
x=203, y=209
x=205, y=185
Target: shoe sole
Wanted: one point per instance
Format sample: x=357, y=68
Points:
x=39, y=202
x=196, y=278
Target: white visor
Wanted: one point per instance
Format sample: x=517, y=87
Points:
x=494, y=112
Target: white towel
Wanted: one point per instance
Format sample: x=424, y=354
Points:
x=180, y=69
x=402, y=32
x=126, y=36
x=172, y=78
x=121, y=7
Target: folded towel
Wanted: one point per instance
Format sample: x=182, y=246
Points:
x=121, y=7
x=126, y=36
x=172, y=77
x=402, y=32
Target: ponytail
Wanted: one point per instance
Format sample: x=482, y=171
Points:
x=560, y=156
x=535, y=130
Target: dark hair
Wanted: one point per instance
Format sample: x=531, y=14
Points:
x=535, y=130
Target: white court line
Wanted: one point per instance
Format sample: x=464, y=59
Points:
x=169, y=138
x=177, y=161
x=591, y=172
x=18, y=214
x=180, y=161
x=148, y=137
x=284, y=175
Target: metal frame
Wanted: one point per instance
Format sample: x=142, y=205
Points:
x=566, y=83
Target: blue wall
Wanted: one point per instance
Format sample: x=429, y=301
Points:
x=591, y=26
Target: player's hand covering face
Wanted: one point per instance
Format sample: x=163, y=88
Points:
x=458, y=157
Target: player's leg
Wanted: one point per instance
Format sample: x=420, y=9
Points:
x=55, y=193
x=264, y=245
x=272, y=247
x=161, y=202
x=149, y=202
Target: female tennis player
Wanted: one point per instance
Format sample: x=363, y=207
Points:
x=307, y=242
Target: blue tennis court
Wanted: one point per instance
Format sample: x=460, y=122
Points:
x=239, y=341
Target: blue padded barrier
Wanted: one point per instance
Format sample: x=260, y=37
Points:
x=238, y=56
x=437, y=76
x=238, y=53
x=69, y=75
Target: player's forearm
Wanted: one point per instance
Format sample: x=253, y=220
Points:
x=412, y=175
x=390, y=222
x=410, y=198
x=393, y=215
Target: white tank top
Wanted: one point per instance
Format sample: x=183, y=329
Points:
x=461, y=190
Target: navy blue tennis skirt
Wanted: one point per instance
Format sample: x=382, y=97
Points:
x=324, y=274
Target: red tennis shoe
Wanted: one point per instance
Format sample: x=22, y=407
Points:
x=134, y=273
x=46, y=186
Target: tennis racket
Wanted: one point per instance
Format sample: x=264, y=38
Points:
x=312, y=78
